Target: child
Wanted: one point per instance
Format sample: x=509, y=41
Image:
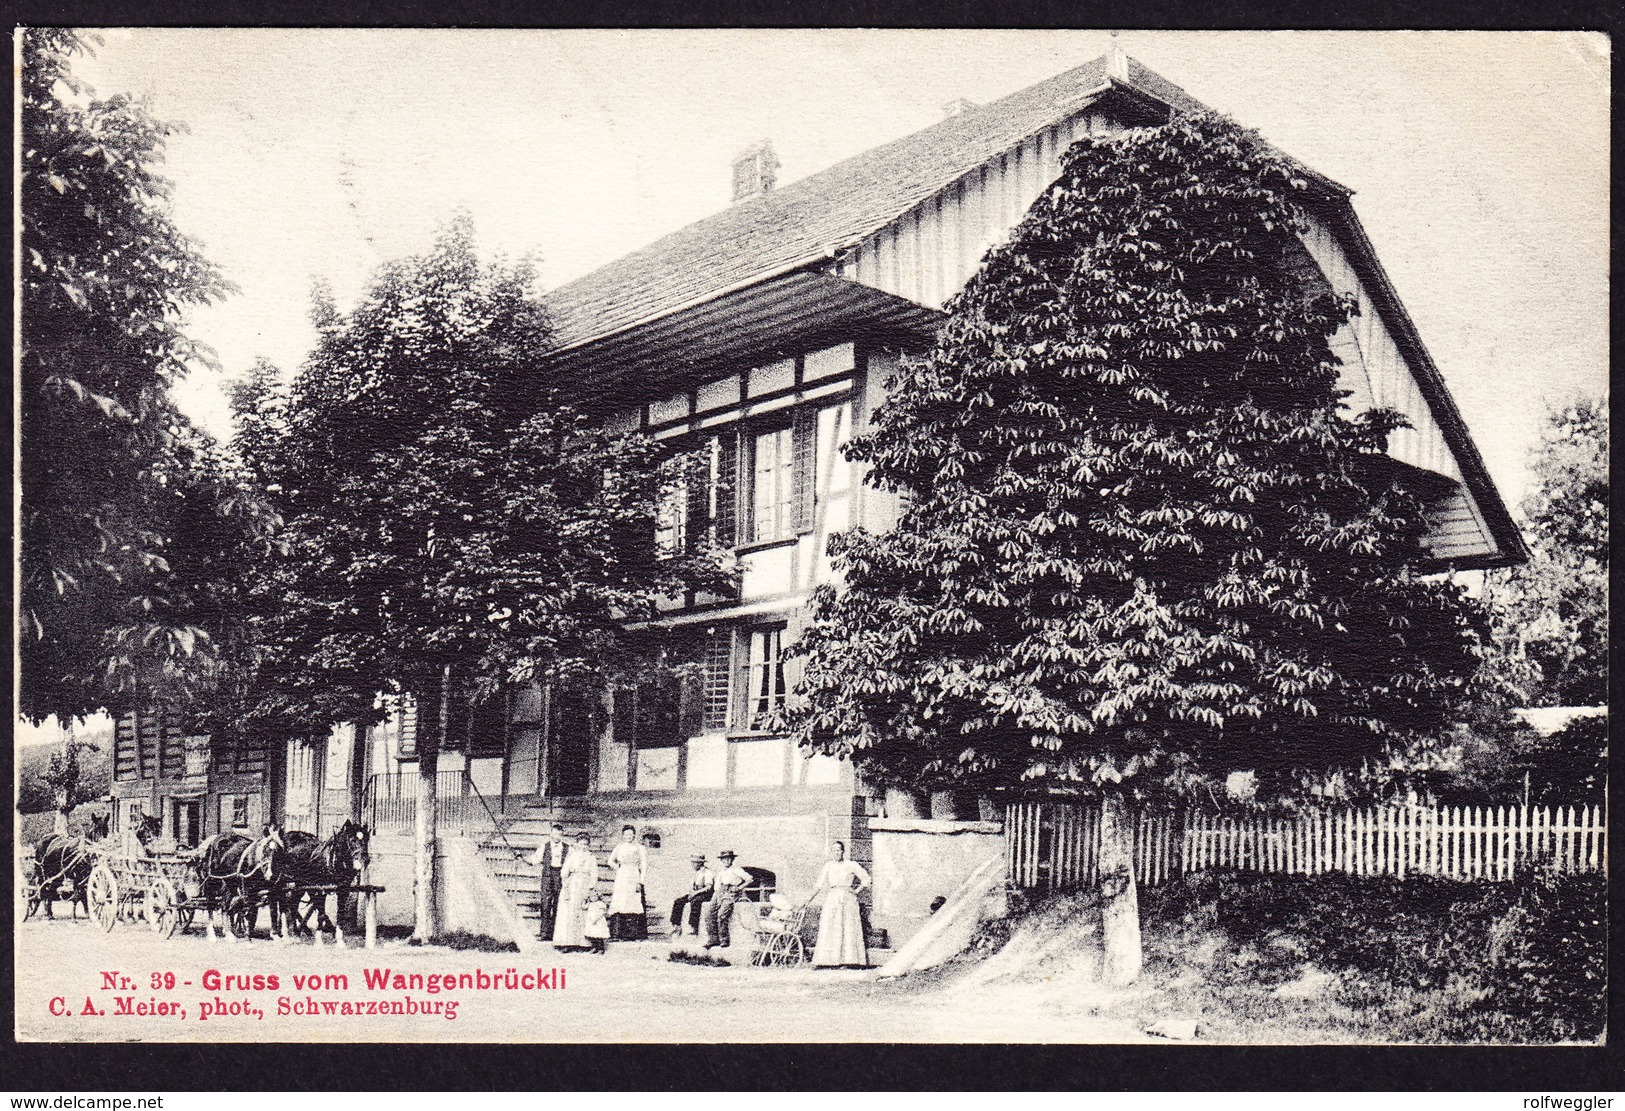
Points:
x=597, y=924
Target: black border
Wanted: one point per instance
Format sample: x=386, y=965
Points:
x=78, y=1068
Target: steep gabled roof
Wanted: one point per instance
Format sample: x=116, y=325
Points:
x=810, y=219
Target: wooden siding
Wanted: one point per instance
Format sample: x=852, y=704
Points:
x=1377, y=372
x=930, y=252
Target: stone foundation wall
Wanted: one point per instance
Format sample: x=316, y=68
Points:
x=917, y=859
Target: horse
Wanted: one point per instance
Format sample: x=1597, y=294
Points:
x=337, y=862
x=59, y=857
x=234, y=873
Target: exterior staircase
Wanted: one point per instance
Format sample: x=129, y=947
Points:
x=521, y=832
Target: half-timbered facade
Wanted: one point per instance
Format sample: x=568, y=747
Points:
x=764, y=336
x=195, y=785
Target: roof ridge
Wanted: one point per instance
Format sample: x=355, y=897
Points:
x=786, y=193
x=833, y=208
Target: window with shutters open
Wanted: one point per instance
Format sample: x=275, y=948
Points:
x=772, y=485
x=764, y=677
x=783, y=475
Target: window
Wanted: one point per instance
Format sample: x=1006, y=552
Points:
x=650, y=714
x=715, y=692
x=671, y=535
x=764, y=675
x=708, y=492
x=671, y=516
x=782, y=466
x=237, y=811
x=772, y=486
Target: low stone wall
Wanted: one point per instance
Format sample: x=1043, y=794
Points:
x=469, y=899
x=918, y=859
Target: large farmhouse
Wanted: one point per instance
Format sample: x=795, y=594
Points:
x=765, y=335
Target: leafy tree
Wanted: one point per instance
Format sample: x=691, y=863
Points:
x=67, y=781
x=452, y=523
x=1556, y=605
x=1142, y=546
x=114, y=478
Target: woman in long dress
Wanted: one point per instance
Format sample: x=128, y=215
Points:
x=577, y=879
x=840, y=924
x=627, y=912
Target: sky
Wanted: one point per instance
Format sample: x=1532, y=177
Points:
x=1479, y=160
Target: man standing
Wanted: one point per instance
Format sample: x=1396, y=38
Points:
x=728, y=887
x=550, y=854
x=699, y=891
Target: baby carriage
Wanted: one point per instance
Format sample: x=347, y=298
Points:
x=776, y=939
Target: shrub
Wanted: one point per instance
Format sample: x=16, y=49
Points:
x=1419, y=959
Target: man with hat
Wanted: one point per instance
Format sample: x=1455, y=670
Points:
x=727, y=889
x=699, y=892
x=550, y=854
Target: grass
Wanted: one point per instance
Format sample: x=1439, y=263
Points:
x=1327, y=959
x=456, y=939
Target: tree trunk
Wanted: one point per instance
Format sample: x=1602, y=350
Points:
x=1119, y=900
x=426, y=924
x=59, y=824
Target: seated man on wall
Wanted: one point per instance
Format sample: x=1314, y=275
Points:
x=699, y=893
x=727, y=889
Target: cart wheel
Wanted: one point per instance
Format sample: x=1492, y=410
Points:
x=241, y=912
x=28, y=896
x=795, y=952
x=102, y=895
x=775, y=951
x=160, y=908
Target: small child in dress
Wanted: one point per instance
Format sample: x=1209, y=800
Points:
x=597, y=925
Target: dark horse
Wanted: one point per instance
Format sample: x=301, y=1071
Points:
x=60, y=859
x=235, y=874
x=337, y=862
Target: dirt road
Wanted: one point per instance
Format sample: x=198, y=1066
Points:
x=78, y=983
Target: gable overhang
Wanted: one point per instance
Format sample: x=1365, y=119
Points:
x=1334, y=204
x=804, y=308
x=1338, y=212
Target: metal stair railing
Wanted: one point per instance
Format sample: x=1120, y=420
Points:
x=489, y=813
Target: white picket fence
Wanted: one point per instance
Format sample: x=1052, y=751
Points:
x=1054, y=845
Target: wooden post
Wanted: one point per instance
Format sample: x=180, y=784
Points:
x=369, y=909
x=1120, y=907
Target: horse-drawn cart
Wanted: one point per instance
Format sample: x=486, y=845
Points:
x=153, y=888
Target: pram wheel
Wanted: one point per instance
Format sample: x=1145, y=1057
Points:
x=786, y=951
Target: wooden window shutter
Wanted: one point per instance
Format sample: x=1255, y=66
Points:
x=626, y=715
x=804, y=468
x=691, y=707
x=409, y=727
x=127, y=748
x=727, y=489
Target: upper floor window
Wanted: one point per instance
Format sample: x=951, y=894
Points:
x=671, y=520
x=773, y=486
x=783, y=462
x=764, y=675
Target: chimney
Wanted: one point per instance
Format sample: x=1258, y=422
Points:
x=1117, y=62
x=754, y=170
x=957, y=107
